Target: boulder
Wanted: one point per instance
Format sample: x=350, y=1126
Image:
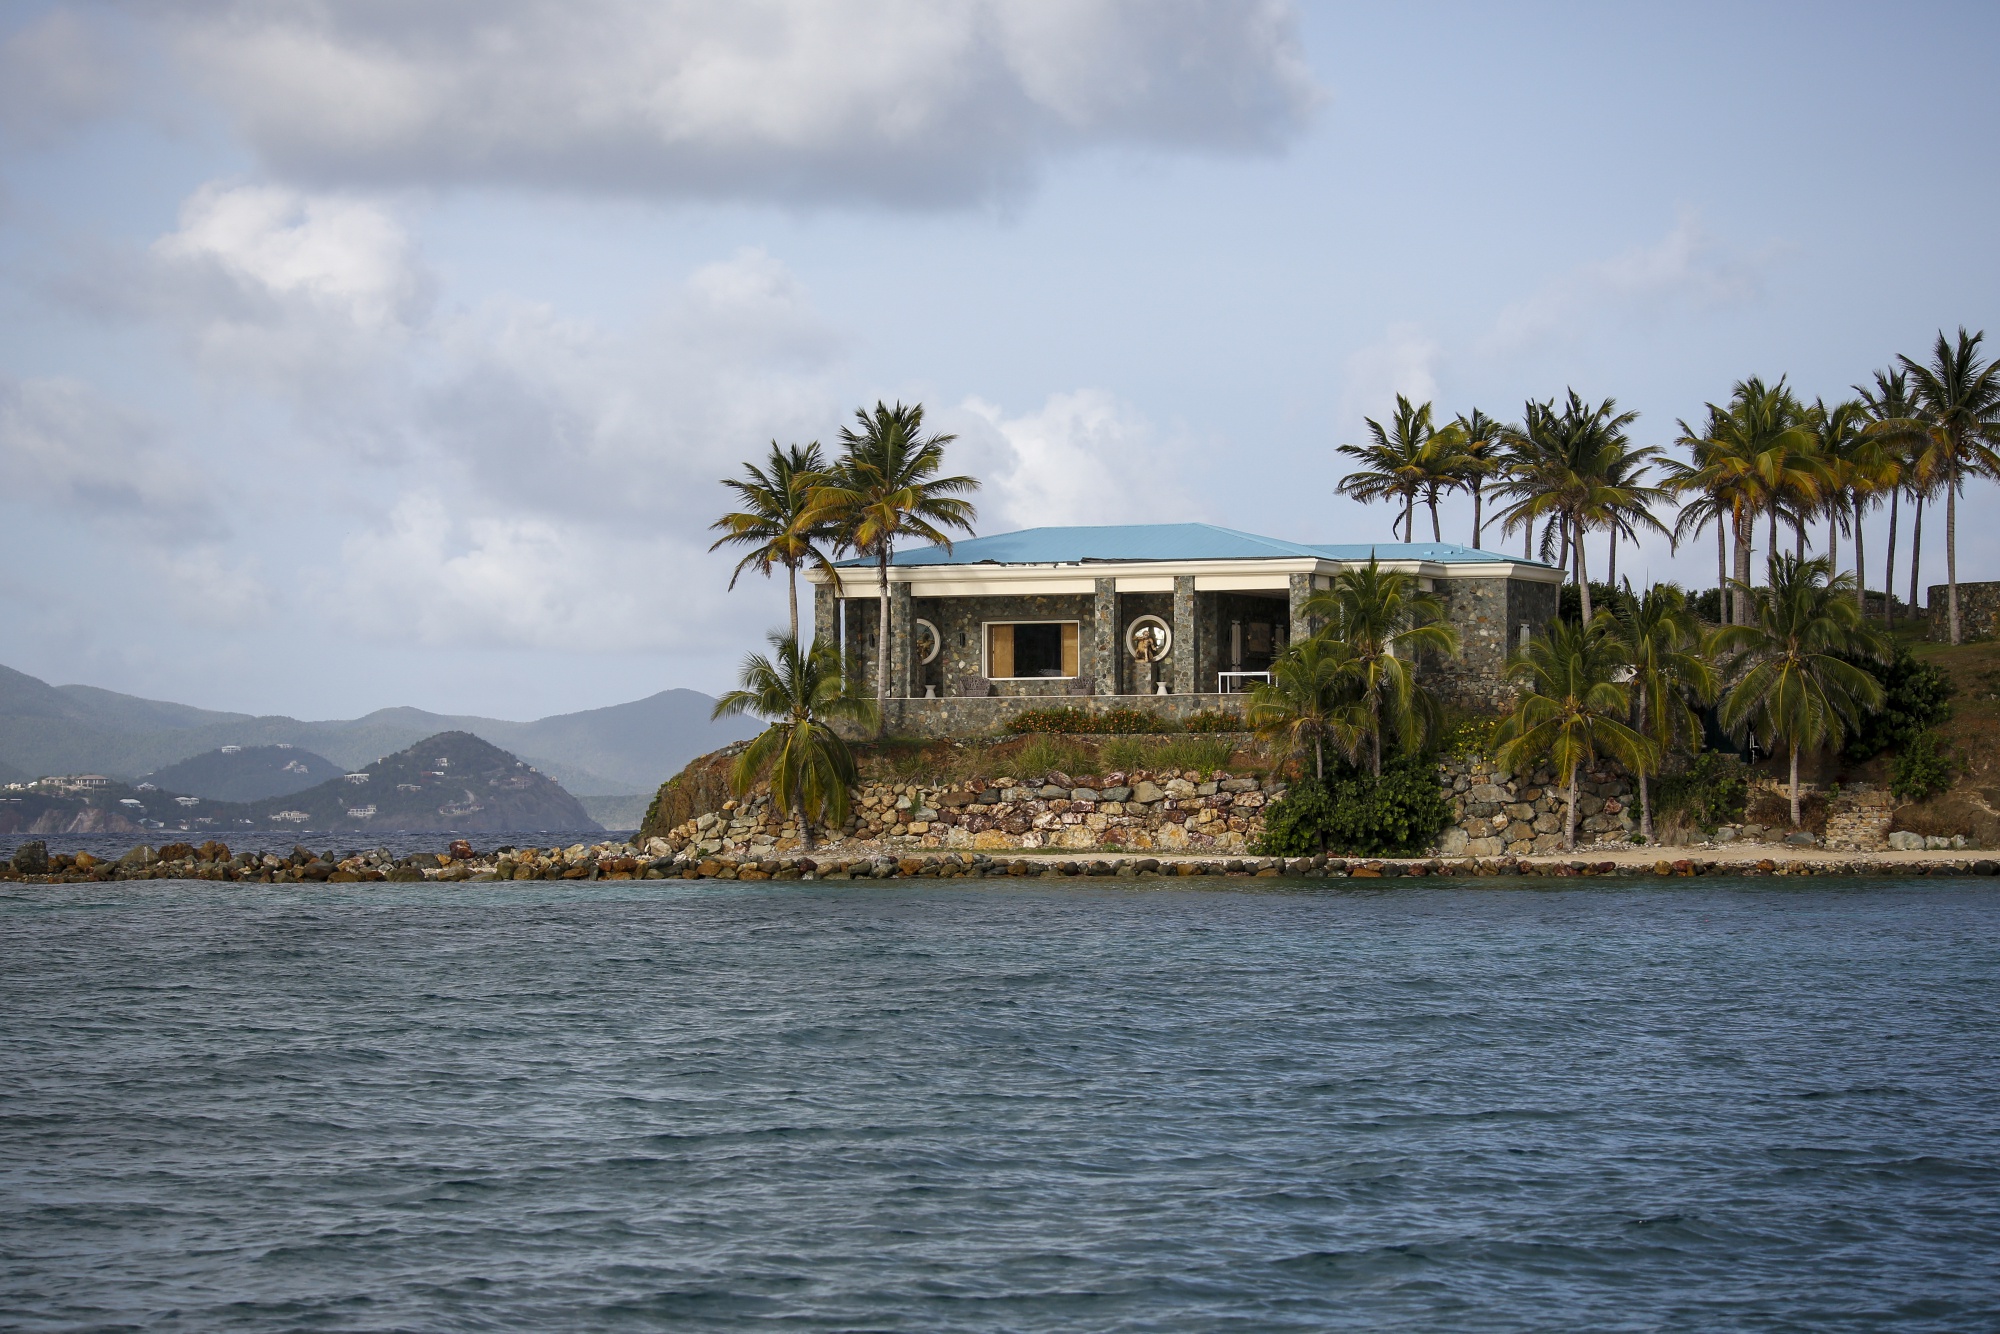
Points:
x=1147, y=791
x=1902, y=840
x=31, y=858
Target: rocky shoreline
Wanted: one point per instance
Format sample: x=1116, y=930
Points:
x=33, y=863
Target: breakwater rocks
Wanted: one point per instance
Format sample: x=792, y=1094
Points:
x=622, y=861
x=459, y=862
x=1141, y=811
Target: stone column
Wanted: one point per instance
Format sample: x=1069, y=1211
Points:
x=826, y=616
x=1104, y=645
x=901, y=659
x=1301, y=589
x=1184, y=674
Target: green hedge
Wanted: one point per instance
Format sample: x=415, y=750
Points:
x=1112, y=722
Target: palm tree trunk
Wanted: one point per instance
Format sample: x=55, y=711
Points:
x=1611, y=569
x=1833, y=538
x=1645, y=809
x=1860, y=564
x=1774, y=529
x=792, y=589
x=1583, y=577
x=882, y=640
x=1437, y=533
x=1475, y=513
x=1569, y=816
x=1723, y=575
x=1795, y=785
x=1740, y=595
x=1562, y=527
x=1375, y=734
x=1409, y=515
x=1889, y=569
x=805, y=826
x=1951, y=549
x=1916, y=550
x=1799, y=531
x=1528, y=541
x=1319, y=759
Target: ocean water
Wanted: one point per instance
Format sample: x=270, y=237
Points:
x=685, y=1106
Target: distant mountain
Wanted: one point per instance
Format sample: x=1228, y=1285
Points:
x=623, y=749
x=246, y=773
x=451, y=781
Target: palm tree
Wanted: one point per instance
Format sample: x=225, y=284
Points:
x=1757, y=452
x=1482, y=441
x=802, y=693
x=1446, y=464
x=1577, y=467
x=1797, y=688
x=1395, y=468
x=1385, y=622
x=1889, y=406
x=1571, y=709
x=777, y=521
x=1958, y=402
x=1856, y=467
x=1621, y=501
x=1659, y=639
x=1713, y=488
x=1312, y=698
x=886, y=486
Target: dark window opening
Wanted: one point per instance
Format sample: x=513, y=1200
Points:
x=1038, y=650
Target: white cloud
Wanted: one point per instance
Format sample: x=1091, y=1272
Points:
x=1688, y=267
x=1083, y=458
x=923, y=102
x=1403, y=361
x=64, y=446
x=433, y=573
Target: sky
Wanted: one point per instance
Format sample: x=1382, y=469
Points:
x=373, y=353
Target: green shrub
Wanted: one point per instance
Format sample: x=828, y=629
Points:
x=1468, y=738
x=1215, y=720
x=1569, y=602
x=1203, y=754
x=1355, y=813
x=1082, y=722
x=1916, y=698
x=1710, y=791
x=1925, y=768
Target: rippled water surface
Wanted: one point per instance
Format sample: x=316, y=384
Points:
x=696, y=1106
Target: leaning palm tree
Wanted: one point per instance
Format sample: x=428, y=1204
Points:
x=1393, y=464
x=1958, y=406
x=1570, y=710
x=1312, y=698
x=1796, y=687
x=1483, y=443
x=1385, y=622
x=1660, y=641
x=777, y=521
x=886, y=486
x=803, y=693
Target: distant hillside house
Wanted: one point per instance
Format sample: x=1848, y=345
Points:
x=1100, y=616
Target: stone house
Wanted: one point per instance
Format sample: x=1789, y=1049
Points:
x=1186, y=615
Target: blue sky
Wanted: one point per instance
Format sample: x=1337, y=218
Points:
x=374, y=354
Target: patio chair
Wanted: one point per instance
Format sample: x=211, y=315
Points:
x=974, y=687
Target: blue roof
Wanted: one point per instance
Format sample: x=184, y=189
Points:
x=1167, y=541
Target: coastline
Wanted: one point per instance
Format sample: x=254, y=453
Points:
x=462, y=864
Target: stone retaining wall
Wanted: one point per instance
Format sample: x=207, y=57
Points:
x=963, y=716
x=1978, y=610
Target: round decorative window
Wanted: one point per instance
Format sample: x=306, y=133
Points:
x=926, y=640
x=1148, y=639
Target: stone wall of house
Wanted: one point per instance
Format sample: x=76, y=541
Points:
x=1978, y=611
x=1858, y=819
